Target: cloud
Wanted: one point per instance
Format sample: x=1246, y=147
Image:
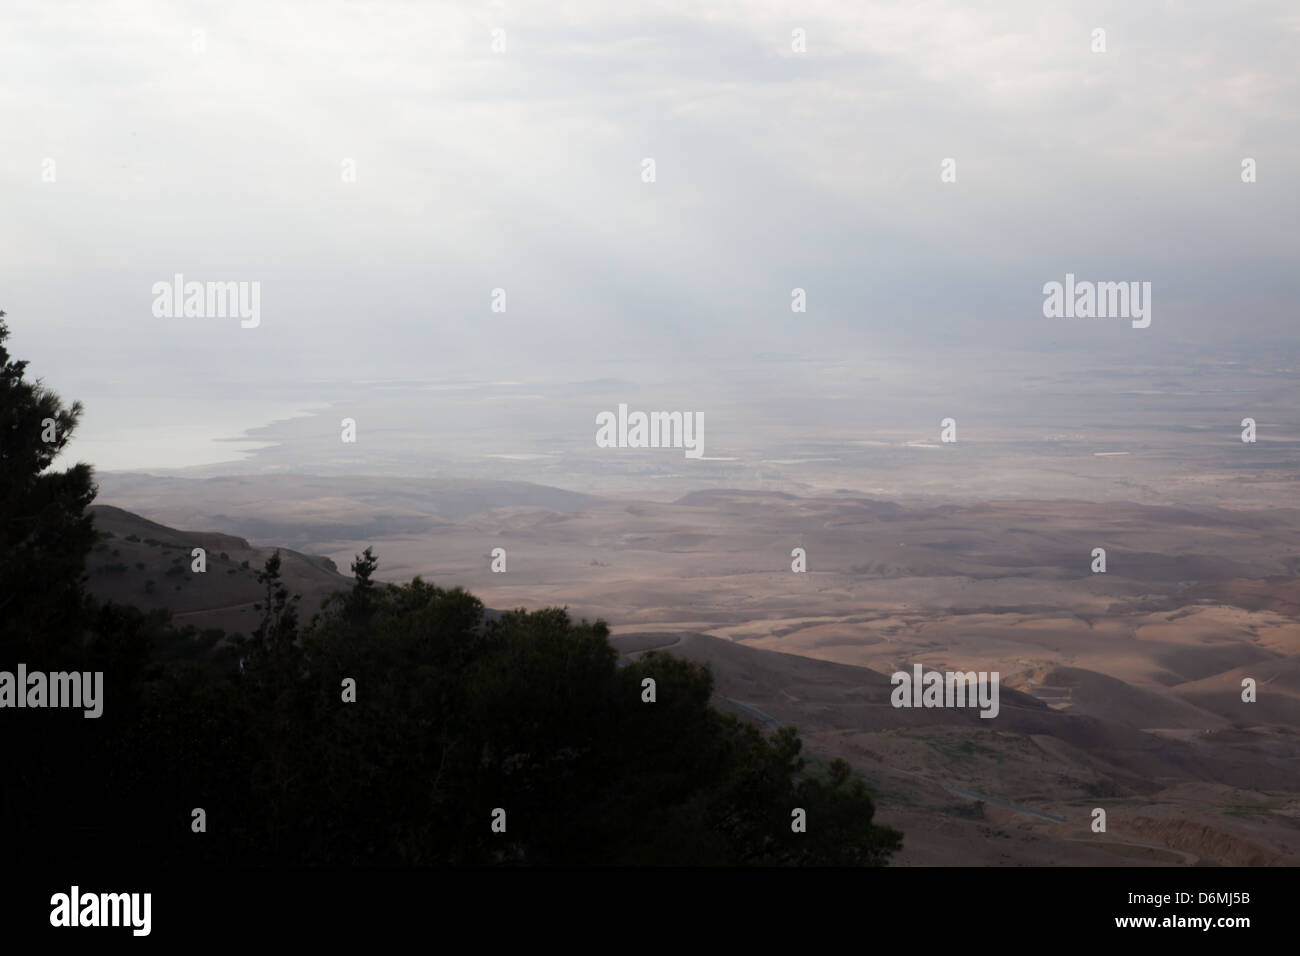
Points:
x=776, y=169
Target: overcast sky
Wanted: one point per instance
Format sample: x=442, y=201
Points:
x=220, y=155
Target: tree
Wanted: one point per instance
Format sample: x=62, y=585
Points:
x=276, y=701
x=361, y=597
x=274, y=642
x=453, y=715
x=45, y=531
x=362, y=569
x=49, y=623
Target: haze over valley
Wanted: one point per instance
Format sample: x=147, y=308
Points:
x=1122, y=688
x=840, y=347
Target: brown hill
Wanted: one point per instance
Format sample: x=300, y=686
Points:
x=149, y=565
x=1081, y=691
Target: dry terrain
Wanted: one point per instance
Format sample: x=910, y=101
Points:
x=1120, y=690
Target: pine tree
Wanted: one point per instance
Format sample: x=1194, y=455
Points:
x=360, y=600
x=45, y=530
x=275, y=653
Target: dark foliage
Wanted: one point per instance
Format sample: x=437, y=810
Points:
x=454, y=716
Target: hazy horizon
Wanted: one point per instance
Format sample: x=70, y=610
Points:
x=379, y=176
x=818, y=434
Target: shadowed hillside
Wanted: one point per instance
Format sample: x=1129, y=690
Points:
x=149, y=565
x=1021, y=788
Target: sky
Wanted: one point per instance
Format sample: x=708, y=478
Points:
x=379, y=169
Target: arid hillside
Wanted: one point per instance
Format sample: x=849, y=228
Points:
x=149, y=565
x=1121, y=690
